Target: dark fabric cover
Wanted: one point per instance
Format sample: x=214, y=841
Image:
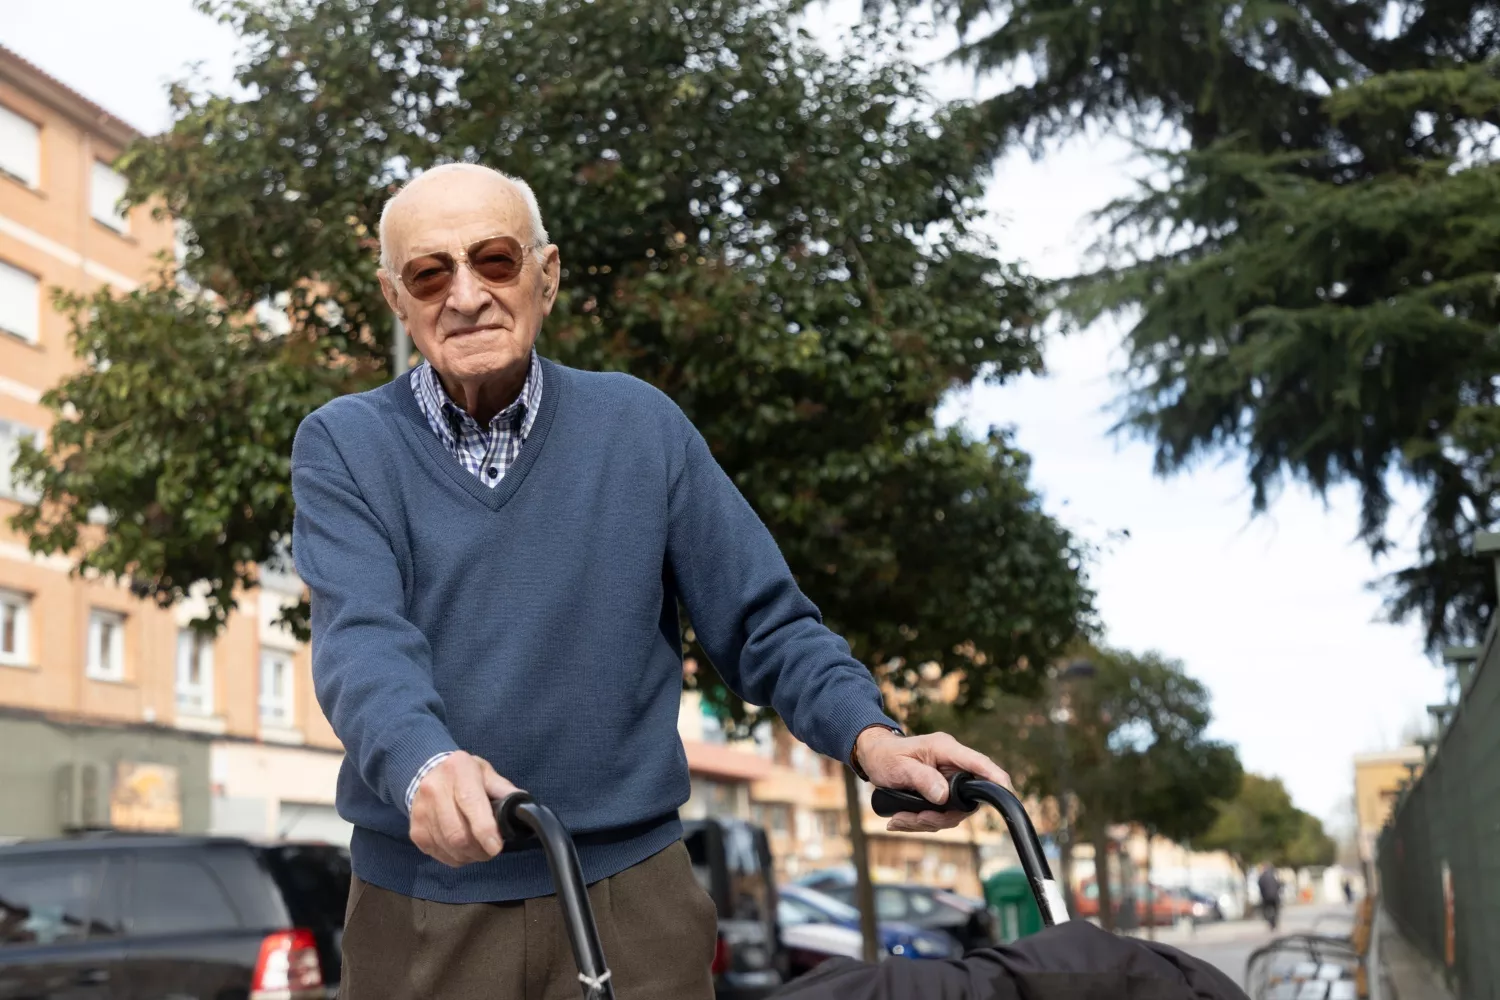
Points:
x=1073, y=961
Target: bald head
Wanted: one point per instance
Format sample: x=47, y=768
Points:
x=454, y=188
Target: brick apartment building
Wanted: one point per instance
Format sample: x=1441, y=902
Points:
x=112, y=713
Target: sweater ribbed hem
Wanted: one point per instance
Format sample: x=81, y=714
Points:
x=399, y=866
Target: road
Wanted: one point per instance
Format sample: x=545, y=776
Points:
x=1228, y=945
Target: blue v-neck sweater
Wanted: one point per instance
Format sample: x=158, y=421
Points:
x=534, y=624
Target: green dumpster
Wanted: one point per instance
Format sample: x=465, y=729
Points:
x=1009, y=897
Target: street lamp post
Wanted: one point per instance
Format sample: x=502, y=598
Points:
x=1078, y=669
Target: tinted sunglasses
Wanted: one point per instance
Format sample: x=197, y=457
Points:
x=495, y=260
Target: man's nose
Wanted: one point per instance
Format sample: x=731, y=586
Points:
x=467, y=295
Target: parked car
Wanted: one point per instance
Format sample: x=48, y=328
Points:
x=800, y=906
x=808, y=946
x=129, y=917
x=970, y=922
x=732, y=861
x=1231, y=905
x=1166, y=908
x=1204, y=908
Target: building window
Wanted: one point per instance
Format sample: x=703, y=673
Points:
x=11, y=436
x=719, y=798
x=276, y=689
x=806, y=762
x=195, y=673
x=105, y=195
x=20, y=303
x=20, y=148
x=774, y=816
x=783, y=755
x=106, y=661
x=829, y=822
x=15, y=629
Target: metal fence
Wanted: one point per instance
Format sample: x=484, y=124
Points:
x=1439, y=856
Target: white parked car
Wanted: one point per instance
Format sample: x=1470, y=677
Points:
x=808, y=945
x=1231, y=906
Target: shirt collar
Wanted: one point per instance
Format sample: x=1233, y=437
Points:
x=436, y=401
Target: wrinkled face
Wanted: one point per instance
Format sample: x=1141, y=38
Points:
x=471, y=314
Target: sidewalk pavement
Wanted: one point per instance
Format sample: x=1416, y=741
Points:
x=1401, y=972
x=1229, y=944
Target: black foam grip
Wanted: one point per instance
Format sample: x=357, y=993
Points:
x=511, y=828
x=890, y=801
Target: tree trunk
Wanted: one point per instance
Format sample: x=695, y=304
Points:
x=1101, y=879
x=1065, y=873
x=978, y=856
x=1065, y=835
x=1150, y=898
x=864, y=892
x=1192, y=920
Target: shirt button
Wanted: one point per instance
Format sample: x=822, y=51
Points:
x=493, y=472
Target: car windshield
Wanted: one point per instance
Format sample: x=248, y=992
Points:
x=826, y=904
x=956, y=901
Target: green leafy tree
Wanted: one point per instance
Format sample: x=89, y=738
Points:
x=1127, y=744
x=784, y=243
x=787, y=244
x=1175, y=788
x=1258, y=825
x=1309, y=279
x=1312, y=847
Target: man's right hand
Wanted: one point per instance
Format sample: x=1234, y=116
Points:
x=452, y=816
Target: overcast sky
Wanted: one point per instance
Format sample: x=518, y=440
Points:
x=1272, y=613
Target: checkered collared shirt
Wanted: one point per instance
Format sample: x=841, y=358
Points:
x=486, y=452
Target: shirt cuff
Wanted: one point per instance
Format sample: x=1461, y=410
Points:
x=432, y=762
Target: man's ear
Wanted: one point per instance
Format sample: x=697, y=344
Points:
x=551, y=277
x=391, y=293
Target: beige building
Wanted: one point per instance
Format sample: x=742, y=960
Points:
x=81, y=658
x=1377, y=781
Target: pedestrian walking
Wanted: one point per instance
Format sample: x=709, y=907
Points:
x=1270, y=895
x=496, y=546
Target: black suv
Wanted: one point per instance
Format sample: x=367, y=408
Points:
x=118, y=917
x=732, y=861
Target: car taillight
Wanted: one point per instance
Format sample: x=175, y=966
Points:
x=723, y=957
x=288, y=967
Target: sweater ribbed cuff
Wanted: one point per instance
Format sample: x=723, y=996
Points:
x=416, y=782
x=842, y=723
x=409, y=754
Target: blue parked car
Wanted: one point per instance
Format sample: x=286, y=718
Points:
x=797, y=905
x=968, y=921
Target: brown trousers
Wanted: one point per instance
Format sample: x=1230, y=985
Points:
x=656, y=924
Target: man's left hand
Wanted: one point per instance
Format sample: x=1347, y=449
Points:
x=921, y=764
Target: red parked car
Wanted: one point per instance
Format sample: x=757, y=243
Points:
x=1167, y=908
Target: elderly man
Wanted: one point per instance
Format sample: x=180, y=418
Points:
x=496, y=547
